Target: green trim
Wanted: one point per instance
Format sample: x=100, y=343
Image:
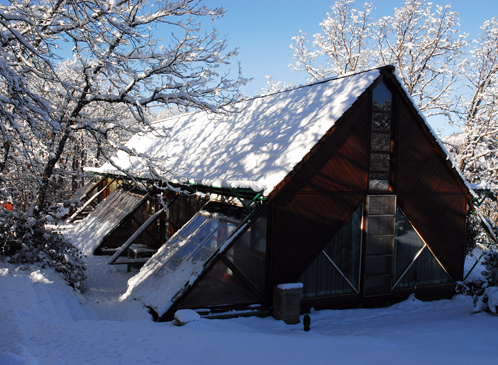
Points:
x=254, y=200
x=239, y=193
x=476, y=200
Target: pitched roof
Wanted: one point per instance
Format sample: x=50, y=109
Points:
x=254, y=148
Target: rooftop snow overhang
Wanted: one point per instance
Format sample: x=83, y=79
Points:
x=187, y=188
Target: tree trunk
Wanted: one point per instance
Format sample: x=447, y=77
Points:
x=6, y=150
x=48, y=172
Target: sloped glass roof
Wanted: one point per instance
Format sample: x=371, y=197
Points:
x=81, y=192
x=180, y=260
x=89, y=234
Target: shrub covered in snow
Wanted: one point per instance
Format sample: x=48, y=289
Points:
x=484, y=290
x=26, y=240
x=475, y=235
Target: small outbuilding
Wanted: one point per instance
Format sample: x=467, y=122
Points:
x=340, y=185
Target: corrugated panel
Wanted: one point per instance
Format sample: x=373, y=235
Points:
x=440, y=219
x=303, y=224
x=119, y=203
x=81, y=192
x=340, y=163
x=419, y=167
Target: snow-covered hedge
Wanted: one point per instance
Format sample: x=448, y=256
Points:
x=484, y=290
x=26, y=240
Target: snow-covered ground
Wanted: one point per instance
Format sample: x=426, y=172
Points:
x=45, y=322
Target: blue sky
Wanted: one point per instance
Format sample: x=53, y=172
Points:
x=263, y=31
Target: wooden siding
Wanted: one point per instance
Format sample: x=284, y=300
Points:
x=420, y=167
x=312, y=202
x=340, y=161
x=429, y=192
x=440, y=220
x=303, y=225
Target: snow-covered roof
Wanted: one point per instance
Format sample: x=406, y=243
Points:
x=254, y=148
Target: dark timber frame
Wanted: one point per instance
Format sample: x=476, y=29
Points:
x=313, y=202
x=331, y=182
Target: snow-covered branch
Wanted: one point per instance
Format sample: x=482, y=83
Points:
x=120, y=71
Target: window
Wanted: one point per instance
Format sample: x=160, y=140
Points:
x=336, y=270
x=381, y=139
x=414, y=264
x=200, y=237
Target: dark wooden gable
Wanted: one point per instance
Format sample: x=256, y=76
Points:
x=420, y=166
x=429, y=190
x=322, y=192
x=313, y=201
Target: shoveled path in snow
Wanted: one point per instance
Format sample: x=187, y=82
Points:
x=103, y=287
x=45, y=322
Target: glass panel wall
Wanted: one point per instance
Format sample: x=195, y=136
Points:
x=322, y=279
x=422, y=270
x=426, y=270
x=218, y=287
x=248, y=254
x=336, y=269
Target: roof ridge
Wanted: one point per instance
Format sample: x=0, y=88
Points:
x=322, y=81
x=292, y=88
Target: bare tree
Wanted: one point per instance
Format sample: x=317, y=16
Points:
x=477, y=154
x=119, y=70
x=426, y=49
x=424, y=45
x=343, y=46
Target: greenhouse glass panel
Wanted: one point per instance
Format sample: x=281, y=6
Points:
x=192, y=226
x=219, y=286
x=248, y=253
x=422, y=270
x=336, y=270
x=381, y=98
x=322, y=279
x=207, y=229
x=173, y=268
x=181, y=255
x=217, y=238
x=426, y=270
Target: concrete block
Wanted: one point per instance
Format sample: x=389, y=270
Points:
x=287, y=302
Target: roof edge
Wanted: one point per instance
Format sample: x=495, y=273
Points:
x=193, y=188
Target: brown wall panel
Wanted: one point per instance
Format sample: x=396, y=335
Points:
x=419, y=166
x=303, y=224
x=440, y=220
x=340, y=163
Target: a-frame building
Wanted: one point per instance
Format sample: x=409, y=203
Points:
x=340, y=185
